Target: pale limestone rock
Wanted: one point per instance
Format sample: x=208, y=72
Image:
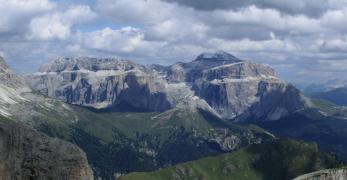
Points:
x=228, y=87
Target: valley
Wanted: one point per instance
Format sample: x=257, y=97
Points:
x=173, y=90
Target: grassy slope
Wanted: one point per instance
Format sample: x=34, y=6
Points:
x=330, y=108
x=283, y=159
x=106, y=125
x=122, y=141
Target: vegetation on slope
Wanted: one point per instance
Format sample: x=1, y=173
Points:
x=329, y=109
x=123, y=142
x=281, y=159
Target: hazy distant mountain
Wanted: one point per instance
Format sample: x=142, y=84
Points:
x=337, y=95
x=329, y=85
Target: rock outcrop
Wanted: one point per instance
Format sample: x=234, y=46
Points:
x=11, y=88
x=10, y=79
x=329, y=174
x=219, y=82
x=27, y=154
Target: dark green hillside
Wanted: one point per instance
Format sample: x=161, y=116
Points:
x=281, y=159
x=123, y=142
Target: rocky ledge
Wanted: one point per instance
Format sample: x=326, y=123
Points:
x=328, y=174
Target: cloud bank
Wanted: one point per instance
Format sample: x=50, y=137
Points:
x=304, y=40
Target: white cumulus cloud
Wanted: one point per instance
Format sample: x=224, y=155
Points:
x=58, y=24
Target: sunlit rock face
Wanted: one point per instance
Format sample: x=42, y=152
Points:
x=100, y=83
x=229, y=87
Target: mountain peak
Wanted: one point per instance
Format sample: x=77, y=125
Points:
x=218, y=55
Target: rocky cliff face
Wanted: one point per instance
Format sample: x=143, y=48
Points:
x=100, y=83
x=27, y=154
x=329, y=174
x=242, y=90
x=219, y=82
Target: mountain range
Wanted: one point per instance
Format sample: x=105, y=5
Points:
x=126, y=117
x=220, y=83
x=324, y=86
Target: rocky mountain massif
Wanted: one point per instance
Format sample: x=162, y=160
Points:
x=218, y=82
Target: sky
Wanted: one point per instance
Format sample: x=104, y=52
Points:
x=304, y=41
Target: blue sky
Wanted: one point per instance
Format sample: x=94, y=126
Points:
x=304, y=41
